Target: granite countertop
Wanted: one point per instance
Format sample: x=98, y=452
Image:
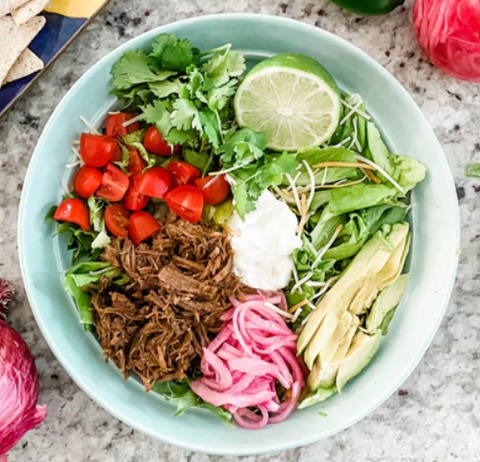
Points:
x=434, y=417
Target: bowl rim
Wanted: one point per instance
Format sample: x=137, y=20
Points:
x=179, y=442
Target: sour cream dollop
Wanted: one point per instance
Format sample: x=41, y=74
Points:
x=263, y=244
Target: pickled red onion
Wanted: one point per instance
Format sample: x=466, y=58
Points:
x=449, y=32
x=253, y=352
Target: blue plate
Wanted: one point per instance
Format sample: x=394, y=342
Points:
x=59, y=31
x=434, y=216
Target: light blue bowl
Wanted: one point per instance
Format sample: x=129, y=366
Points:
x=433, y=259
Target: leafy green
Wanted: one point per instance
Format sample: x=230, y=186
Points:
x=180, y=394
x=132, y=69
x=177, y=92
x=360, y=196
x=84, y=274
x=327, y=175
x=169, y=52
x=473, y=170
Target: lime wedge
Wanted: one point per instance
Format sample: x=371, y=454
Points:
x=293, y=99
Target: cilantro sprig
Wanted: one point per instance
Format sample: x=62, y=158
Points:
x=179, y=89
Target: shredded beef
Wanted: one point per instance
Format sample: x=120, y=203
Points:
x=158, y=324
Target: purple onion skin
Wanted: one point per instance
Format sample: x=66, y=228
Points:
x=19, y=390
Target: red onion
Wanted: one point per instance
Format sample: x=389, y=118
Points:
x=19, y=387
x=253, y=352
x=449, y=32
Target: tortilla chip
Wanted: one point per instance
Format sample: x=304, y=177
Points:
x=6, y=6
x=18, y=38
x=27, y=63
x=28, y=11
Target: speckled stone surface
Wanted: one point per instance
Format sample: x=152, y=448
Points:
x=434, y=417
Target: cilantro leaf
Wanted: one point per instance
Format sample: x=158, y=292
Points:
x=185, y=115
x=166, y=88
x=243, y=146
x=157, y=113
x=132, y=69
x=210, y=125
x=173, y=53
x=190, y=137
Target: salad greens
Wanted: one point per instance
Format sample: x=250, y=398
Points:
x=360, y=186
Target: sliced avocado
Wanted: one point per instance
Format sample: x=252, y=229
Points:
x=389, y=273
x=388, y=299
x=325, y=371
x=366, y=264
x=326, y=353
x=361, y=352
x=321, y=338
x=317, y=397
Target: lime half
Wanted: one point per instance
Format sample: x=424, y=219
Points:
x=293, y=99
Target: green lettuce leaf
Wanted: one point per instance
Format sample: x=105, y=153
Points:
x=180, y=394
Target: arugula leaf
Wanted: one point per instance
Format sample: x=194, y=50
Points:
x=132, y=69
x=174, y=53
x=473, y=170
x=180, y=394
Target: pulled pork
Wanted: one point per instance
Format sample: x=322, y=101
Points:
x=158, y=324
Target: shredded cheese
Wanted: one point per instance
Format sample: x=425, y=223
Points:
x=90, y=126
x=302, y=281
x=382, y=171
x=324, y=179
x=352, y=111
x=296, y=314
x=345, y=165
x=355, y=142
x=345, y=141
x=358, y=111
x=133, y=120
x=341, y=185
x=278, y=310
x=312, y=184
x=315, y=284
x=295, y=192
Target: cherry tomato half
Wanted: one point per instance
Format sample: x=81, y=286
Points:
x=155, y=182
x=114, y=184
x=155, y=143
x=133, y=200
x=98, y=150
x=186, y=202
x=136, y=163
x=73, y=211
x=116, y=220
x=141, y=226
x=214, y=189
x=115, y=122
x=182, y=173
x=87, y=181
